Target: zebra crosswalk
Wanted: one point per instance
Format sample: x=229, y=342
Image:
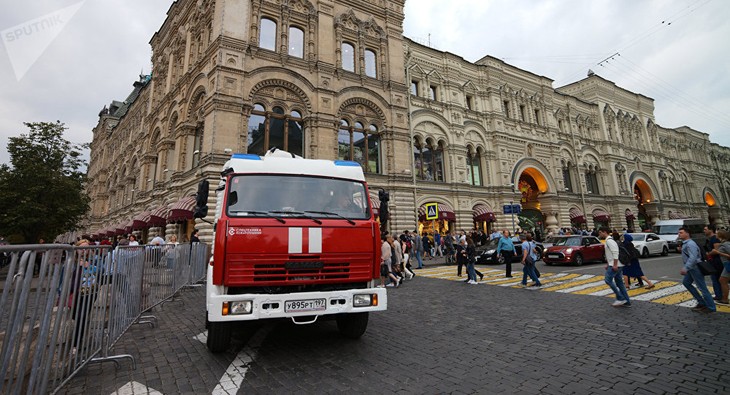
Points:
x=664, y=292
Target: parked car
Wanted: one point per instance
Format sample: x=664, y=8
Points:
x=487, y=253
x=574, y=250
x=650, y=244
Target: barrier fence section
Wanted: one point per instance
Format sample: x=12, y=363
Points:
x=63, y=307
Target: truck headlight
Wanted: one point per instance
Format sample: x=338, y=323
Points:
x=241, y=307
x=364, y=300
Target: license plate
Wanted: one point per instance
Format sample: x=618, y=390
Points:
x=553, y=256
x=294, y=306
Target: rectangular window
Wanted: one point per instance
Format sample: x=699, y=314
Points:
x=414, y=88
x=537, y=117
x=506, y=109
x=589, y=184
x=522, y=113
x=432, y=92
x=560, y=125
x=469, y=102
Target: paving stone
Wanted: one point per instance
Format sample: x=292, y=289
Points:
x=441, y=336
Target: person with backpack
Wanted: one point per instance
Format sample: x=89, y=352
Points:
x=613, y=268
x=691, y=257
x=633, y=269
x=529, y=258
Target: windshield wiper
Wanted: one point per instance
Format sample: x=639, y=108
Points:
x=298, y=213
x=351, y=222
x=259, y=213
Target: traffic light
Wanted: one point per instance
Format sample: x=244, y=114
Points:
x=384, y=197
x=201, y=200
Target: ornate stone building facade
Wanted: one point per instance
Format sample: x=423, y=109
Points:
x=337, y=80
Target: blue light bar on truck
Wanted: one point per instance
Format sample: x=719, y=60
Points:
x=346, y=163
x=246, y=156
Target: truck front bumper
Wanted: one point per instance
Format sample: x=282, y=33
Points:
x=228, y=308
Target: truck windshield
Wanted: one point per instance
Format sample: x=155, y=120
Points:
x=666, y=229
x=289, y=196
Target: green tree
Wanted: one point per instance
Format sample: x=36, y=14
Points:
x=42, y=191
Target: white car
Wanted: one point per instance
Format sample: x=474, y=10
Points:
x=650, y=244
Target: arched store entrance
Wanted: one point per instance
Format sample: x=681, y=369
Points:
x=643, y=197
x=713, y=209
x=532, y=185
x=445, y=221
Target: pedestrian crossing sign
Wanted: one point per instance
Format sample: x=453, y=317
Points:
x=432, y=211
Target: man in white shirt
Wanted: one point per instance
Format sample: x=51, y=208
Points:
x=613, y=269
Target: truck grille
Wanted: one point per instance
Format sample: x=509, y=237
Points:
x=277, y=273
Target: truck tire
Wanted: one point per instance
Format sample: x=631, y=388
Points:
x=353, y=325
x=219, y=336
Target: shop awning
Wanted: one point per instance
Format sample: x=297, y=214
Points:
x=446, y=213
x=576, y=216
x=630, y=215
x=120, y=228
x=481, y=212
x=376, y=205
x=601, y=216
x=140, y=221
x=182, y=210
x=128, y=226
x=158, y=217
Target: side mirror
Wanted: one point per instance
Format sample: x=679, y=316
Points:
x=201, y=200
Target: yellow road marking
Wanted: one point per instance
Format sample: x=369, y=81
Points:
x=677, y=298
x=572, y=284
x=657, y=286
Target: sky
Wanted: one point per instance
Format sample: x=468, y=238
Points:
x=65, y=59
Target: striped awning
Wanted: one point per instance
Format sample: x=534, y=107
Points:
x=601, y=216
x=481, y=212
x=140, y=221
x=445, y=212
x=120, y=228
x=128, y=227
x=630, y=215
x=376, y=205
x=158, y=216
x=576, y=216
x=182, y=210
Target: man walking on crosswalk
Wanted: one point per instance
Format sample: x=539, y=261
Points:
x=613, y=269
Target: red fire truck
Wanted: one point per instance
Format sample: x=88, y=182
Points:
x=296, y=239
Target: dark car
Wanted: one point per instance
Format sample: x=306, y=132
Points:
x=574, y=250
x=487, y=253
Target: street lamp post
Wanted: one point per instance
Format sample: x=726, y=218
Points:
x=512, y=210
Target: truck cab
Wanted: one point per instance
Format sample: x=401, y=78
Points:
x=295, y=239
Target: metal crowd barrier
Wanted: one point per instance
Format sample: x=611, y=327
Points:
x=63, y=307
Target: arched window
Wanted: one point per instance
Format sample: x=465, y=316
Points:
x=269, y=129
x=267, y=34
x=348, y=57
x=429, y=161
x=474, y=167
x=358, y=144
x=592, y=182
x=567, y=181
x=370, y=64
x=296, y=42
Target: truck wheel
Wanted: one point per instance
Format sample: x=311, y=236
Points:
x=352, y=325
x=219, y=336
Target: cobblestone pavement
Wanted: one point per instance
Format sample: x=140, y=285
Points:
x=437, y=337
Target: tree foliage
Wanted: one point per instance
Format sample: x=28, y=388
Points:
x=42, y=191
